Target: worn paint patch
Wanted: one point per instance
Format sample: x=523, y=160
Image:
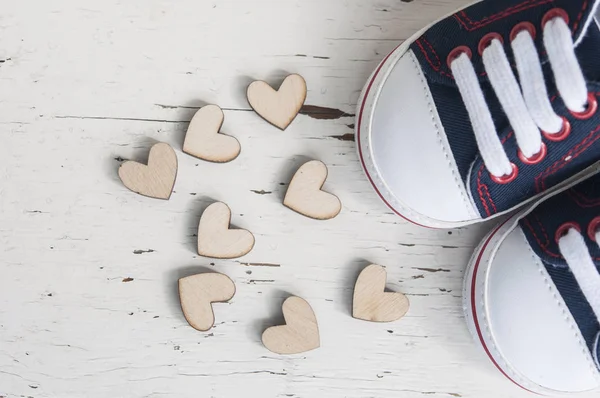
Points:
x=127, y=280
x=407, y=244
x=433, y=269
x=143, y=251
x=344, y=137
x=261, y=192
x=323, y=113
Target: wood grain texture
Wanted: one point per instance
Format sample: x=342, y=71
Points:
x=217, y=240
x=300, y=333
x=89, y=305
x=204, y=141
x=278, y=107
x=305, y=194
x=157, y=178
x=371, y=302
x=198, y=292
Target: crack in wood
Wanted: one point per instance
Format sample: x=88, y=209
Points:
x=126, y=119
x=258, y=264
x=311, y=56
x=433, y=269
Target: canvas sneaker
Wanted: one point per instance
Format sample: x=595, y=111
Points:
x=532, y=293
x=486, y=110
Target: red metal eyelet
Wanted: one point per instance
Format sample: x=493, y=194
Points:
x=592, y=107
x=555, y=13
x=487, y=40
x=523, y=26
x=505, y=179
x=457, y=52
x=565, y=228
x=593, y=228
x=562, y=134
x=535, y=159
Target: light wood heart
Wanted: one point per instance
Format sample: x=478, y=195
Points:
x=372, y=303
x=299, y=334
x=156, y=179
x=204, y=141
x=304, y=195
x=216, y=240
x=198, y=292
x=280, y=107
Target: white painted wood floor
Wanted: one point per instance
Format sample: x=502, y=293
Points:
x=89, y=270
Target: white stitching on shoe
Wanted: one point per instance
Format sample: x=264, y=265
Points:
x=461, y=187
x=565, y=312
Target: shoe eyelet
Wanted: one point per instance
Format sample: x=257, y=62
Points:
x=555, y=13
x=507, y=178
x=592, y=107
x=487, y=40
x=523, y=26
x=593, y=228
x=562, y=134
x=565, y=228
x=457, y=52
x=535, y=159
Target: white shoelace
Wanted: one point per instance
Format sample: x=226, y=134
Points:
x=527, y=107
x=573, y=248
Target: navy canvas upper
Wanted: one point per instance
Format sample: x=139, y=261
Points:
x=579, y=205
x=466, y=28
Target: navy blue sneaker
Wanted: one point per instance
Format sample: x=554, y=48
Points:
x=486, y=110
x=532, y=293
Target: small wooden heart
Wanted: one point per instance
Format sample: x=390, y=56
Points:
x=155, y=180
x=216, y=240
x=372, y=303
x=280, y=107
x=204, y=141
x=198, y=292
x=305, y=196
x=299, y=334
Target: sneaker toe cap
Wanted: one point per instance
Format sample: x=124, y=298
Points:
x=409, y=150
x=530, y=326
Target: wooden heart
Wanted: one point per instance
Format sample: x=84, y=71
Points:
x=305, y=196
x=372, y=303
x=280, y=107
x=216, y=240
x=204, y=141
x=156, y=179
x=299, y=334
x=198, y=292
